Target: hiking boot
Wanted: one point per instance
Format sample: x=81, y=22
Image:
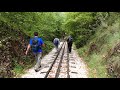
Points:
x=36, y=70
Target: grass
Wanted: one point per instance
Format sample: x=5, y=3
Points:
x=97, y=68
x=20, y=69
x=95, y=63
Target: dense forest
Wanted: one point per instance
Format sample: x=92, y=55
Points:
x=96, y=37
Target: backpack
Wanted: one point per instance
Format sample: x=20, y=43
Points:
x=70, y=39
x=35, y=45
x=56, y=42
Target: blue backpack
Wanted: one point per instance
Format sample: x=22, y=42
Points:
x=56, y=42
x=35, y=45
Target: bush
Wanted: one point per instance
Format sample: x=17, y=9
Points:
x=81, y=41
x=48, y=47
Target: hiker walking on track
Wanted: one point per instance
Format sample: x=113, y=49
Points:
x=56, y=42
x=69, y=42
x=36, y=45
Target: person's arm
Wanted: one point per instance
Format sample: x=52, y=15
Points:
x=28, y=47
x=42, y=43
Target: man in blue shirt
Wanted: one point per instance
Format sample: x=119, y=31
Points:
x=36, y=43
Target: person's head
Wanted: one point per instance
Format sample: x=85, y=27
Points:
x=35, y=33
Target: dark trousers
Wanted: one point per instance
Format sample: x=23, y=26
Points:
x=69, y=47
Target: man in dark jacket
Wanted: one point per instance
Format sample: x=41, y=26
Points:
x=69, y=42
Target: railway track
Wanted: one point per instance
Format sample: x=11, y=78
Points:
x=60, y=66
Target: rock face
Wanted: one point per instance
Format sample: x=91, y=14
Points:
x=13, y=44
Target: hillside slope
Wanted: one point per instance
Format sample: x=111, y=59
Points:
x=13, y=43
x=102, y=52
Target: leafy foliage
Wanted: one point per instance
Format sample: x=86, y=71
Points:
x=17, y=28
x=80, y=26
